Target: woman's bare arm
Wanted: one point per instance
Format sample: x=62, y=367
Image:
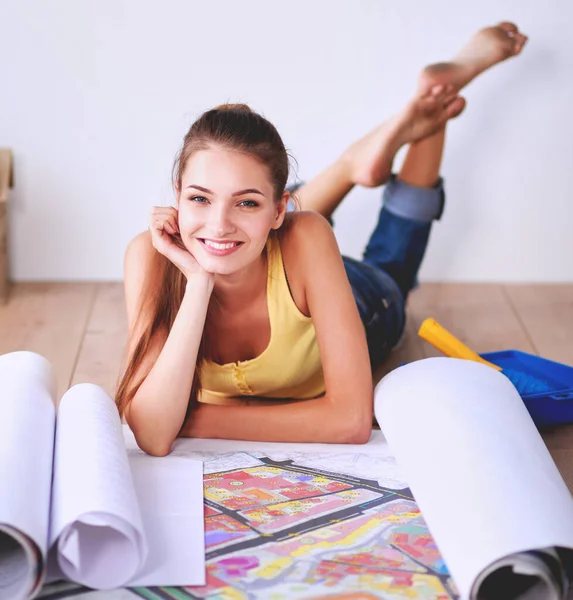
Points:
x=317, y=420
x=344, y=413
x=157, y=411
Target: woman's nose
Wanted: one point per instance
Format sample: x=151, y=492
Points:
x=222, y=222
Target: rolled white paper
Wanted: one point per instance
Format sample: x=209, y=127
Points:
x=96, y=520
x=475, y=462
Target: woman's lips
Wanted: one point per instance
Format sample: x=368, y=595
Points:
x=219, y=248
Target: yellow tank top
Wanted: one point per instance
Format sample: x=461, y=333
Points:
x=289, y=367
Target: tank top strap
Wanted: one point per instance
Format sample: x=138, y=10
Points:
x=276, y=278
x=279, y=299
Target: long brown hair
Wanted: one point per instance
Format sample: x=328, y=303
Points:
x=231, y=126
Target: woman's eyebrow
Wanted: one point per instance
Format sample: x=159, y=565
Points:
x=240, y=193
x=248, y=191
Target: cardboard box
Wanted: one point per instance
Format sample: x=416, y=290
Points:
x=6, y=182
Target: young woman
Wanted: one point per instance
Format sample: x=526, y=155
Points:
x=245, y=322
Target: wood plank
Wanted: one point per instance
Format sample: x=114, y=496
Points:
x=559, y=437
x=480, y=315
x=103, y=346
x=559, y=441
x=4, y=274
x=6, y=173
x=50, y=319
x=547, y=313
x=6, y=181
x=564, y=461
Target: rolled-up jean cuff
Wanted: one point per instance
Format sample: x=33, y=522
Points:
x=413, y=202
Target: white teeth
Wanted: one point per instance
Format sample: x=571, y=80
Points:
x=220, y=246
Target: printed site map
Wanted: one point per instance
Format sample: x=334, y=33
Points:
x=287, y=526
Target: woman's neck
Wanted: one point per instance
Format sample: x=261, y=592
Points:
x=233, y=293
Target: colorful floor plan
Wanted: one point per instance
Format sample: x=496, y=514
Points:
x=283, y=530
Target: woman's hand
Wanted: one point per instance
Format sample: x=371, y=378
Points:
x=166, y=239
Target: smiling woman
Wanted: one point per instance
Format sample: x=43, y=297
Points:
x=245, y=321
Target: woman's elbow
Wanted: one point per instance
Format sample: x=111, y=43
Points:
x=359, y=434
x=151, y=439
x=358, y=429
x=156, y=449
x=154, y=445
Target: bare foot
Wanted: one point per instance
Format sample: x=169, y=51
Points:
x=369, y=160
x=488, y=47
x=428, y=113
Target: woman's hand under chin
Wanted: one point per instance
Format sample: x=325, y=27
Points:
x=166, y=239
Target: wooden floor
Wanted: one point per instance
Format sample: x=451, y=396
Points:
x=81, y=329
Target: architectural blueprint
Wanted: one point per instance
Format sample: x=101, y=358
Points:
x=284, y=524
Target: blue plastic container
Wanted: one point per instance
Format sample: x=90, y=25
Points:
x=545, y=386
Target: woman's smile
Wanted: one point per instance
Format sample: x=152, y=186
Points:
x=219, y=248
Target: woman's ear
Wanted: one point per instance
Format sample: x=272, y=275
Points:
x=281, y=209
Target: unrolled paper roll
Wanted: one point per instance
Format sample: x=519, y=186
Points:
x=96, y=521
x=27, y=415
x=479, y=470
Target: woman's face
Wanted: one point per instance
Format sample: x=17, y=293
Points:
x=227, y=209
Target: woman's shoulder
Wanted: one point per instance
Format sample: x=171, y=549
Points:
x=303, y=230
x=140, y=246
x=306, y=218
x=306, y=237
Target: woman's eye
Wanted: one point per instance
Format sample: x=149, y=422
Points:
x=249, y=203
x=200, y=199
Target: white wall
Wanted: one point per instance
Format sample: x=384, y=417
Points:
x=96, y=96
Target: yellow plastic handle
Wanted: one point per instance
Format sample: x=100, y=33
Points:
x=444, y=341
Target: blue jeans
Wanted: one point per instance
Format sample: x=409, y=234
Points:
x=389, y=267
